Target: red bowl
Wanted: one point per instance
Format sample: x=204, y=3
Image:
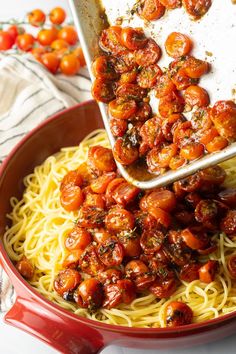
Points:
x=31, y=312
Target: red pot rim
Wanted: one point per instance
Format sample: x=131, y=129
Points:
x=12, y=272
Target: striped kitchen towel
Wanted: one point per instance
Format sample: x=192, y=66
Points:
x=29, y=94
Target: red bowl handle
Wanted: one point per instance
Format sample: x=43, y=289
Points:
x=54, y=330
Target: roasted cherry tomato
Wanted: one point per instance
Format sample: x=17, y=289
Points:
x=71, y=198
x=143, y=113
x=195, y=68
x=216, y=144
x=99, y=185
x=189, y=272
x=57, y=16
x=103, y=68
x=50, y=61
x=69, y=34
x=151, y=10
x=36, y=17
x=153, y=161
x=223, y=115
x=118, y=127
x=228, y=223
x=90, y=262
x=169, y=124
x=100, y=159
x=166, y=154
x=196, y=96
x=231, y=265
x=121, y=292
x=125, y=193
x=110, y=276
x=194, y=239
x=6, y=40
x=228, y=197
x=215, y=175
x=111, y=189
x=182, y=133
x=72, y=258
x=151, y=241
x=119, y=219
x=89, y=294
x=148, y=76
x=162, y=217
x=192, y=151
x=164, y=86
x=131, y=243
x=206, y=136
x=25, y=41
x=72, y=178
x=178, y=44
x=148, y=55
x=128, y=77
x=69, y=64
x=177, y=162
x=110, y=40
x=111, y=252
x=46, y=36
x=163, y=289
x=25, y=268
x=208, y=271
x=66, y=280
x=163, y=199
x=102, y=91
x=131, y=92
x=169, y=104
x=94, y=200
x=122, y=108
x=78, y=238
x=196, y=8
x=133, y=38
x=140, y=274
x=178, y=314
x=171, y=4
x=151, y=132
x=124, y=152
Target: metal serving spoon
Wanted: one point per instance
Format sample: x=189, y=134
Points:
x=89, y=23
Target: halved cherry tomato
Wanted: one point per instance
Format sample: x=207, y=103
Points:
x=208, y=271
x=89, y=294
x=71, y=198
x=189, y=272
x=164, y=86
x=190, y=184
x=69, y=34
x=140, y=274
x=196, y=96
x=177, y=162
x=103, y=68
x=182, y=133
x=131, y=244
x=90, y=262
x=228, y=197
x=193, y=199
x=171, y=4
x=151, y=241
x=119, y=219
x=111, y=252
x=100, y=159
x=110, y=40
x=153, y=161
x=110, y=276
x=178, y=314
x=51, y=62
x=169, y=104
x=143, y=113
x=99, y=185
x=218, y=143
x=78, y=238
x=162, y=217
x=201, y=120
x=148, y=55
x=83, y=170
x=196, y=8
x=121, y=292
x=151, y=10
x=194, y=239
x=223, y=115
x=36, y=17
x=215, y=175
x=192, y=151
x=128, y=77
x=66, y=280
x=228, y=223
x=180, y=78
x=208, y=135
x=25, y=41
x=169, y=124
x=25, y=268
x=178, y=44
x=57, y=16
x=72, y=258
x=124, y=152
x=166, y=154
x=118, y=126
x=111, y=189
x=148, y=76
x=125, y=193
x=231, y=265
x=122, y=108
x=69, y=64
x=208, y=209
x=163, y=289
x=195, y=68
x=72, y=178
x=163, y=199
x=131, y=92
x=95, y=200
x=151, y=132
x=133, y=38
x=102, y=91
x=46, y=36
x=59, y=44
x=90, y=216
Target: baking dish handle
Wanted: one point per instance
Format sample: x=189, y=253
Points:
x=53, y=329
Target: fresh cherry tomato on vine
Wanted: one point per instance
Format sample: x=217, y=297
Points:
x=6, y=40
x=50, y=61
x=69, y=64
x=57, y=16
x=15, y=31
x=68, y=34
x=25, y=41
x=36, y=17
x=46, y=36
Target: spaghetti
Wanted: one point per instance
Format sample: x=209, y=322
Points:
x=40, y=225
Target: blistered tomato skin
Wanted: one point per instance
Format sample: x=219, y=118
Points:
x=178, y=314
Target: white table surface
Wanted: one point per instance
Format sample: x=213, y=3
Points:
x=14, y=341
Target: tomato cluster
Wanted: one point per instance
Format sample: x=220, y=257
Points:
x=152, y=10
x=129, y=242
x=55, y=46
x=124, y=76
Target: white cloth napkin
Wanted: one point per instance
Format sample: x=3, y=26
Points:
x=29, y=94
